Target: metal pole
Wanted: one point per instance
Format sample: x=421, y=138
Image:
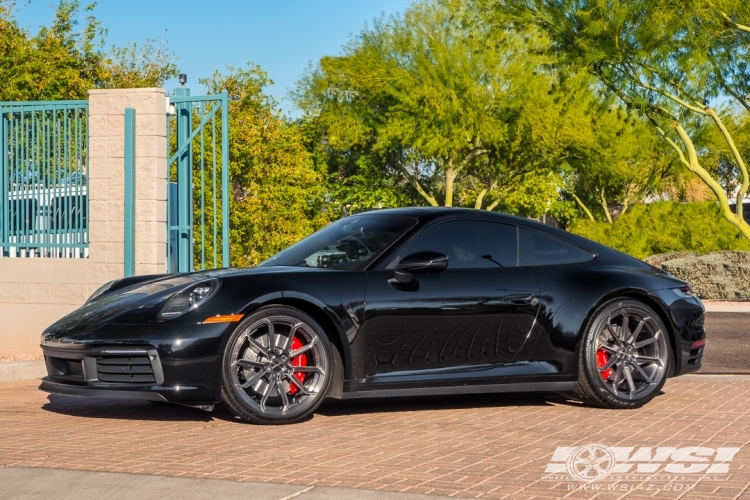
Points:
x=4, y=184
x=184, y=183
x=224, y=179
x=129, y=192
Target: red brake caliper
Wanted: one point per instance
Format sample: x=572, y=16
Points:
x=602, y=357
x=300, y=360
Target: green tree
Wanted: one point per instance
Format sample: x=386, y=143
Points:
x=667, y=60
x=436, y=96
x=56, y=63
x=716, y=158
x=538, y=194
x=62, y=62
x=134, y=66
x=356, y=179
x=277, y=195
x=623, y=164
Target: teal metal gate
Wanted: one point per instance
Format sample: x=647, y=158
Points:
x=44, y=179
x=198, y=169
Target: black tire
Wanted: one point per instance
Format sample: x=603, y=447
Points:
x=607, y=373
x=261, y=381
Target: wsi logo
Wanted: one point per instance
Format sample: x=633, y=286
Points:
x=594, y=462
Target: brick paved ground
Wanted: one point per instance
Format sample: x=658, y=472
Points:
x=494, y=446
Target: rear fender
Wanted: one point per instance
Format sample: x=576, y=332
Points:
x=654, y=302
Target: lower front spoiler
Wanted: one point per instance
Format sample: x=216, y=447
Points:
x=48, y=385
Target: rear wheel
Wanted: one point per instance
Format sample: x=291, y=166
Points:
x=625, y=356
x=277, y=367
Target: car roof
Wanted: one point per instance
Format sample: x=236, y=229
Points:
x=426, y=214
x=429, y=213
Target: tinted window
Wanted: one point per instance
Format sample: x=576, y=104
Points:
x=467, y=243
x=539, y=249
x=349, y=243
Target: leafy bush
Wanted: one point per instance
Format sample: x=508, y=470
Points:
x=720, y=275
x=662, y=227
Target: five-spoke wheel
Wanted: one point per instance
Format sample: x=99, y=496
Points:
x=277, y=366
x=625, y=356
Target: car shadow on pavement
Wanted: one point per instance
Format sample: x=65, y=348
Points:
x=165, y=412
x=125, y=410
x=333, y=407
x=117, y=409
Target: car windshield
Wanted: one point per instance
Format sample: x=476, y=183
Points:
x=349, y=243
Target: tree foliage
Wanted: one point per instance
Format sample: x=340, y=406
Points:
x=714, y=155
x=134, y=66
x=667, y=60
x=623, y=163
x=564, y=108
x=661, y=227
x=62, y=61
x=445, y=106
x=277, y=194
x=355, y=179
x=436, y=97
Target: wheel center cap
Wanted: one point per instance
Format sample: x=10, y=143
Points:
x=277, y=364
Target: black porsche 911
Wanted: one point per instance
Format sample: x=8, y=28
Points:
x=400, y=302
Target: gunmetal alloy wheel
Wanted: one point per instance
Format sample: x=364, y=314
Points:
x=625, y=356
x=277, y=367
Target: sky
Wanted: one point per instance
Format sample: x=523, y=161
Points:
x=282, y=36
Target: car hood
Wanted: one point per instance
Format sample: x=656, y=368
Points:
x=139, y=303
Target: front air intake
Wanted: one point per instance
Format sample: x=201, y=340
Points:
x=125, y=370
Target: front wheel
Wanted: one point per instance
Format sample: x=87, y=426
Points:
x=625, y=356
x=277, y=367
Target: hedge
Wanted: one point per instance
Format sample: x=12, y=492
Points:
x=718, y=275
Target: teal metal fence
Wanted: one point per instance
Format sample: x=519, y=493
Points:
x=129, y=239
x=198, y=197
x=44, y=179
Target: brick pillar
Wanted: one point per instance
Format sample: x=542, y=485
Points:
x=107, y=181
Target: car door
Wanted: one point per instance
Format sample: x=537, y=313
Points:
x=478, y=311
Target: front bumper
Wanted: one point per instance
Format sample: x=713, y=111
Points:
x=49, y=385
x=117, y=372
x=178, y=363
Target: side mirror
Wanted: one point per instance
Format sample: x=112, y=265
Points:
x=420, y=262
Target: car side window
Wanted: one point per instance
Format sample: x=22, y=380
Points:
x=469, y=244
x=539, y=249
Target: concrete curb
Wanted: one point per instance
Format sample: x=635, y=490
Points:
x=33, y=483
x=719, y=306
x=17, y=371
x=744, y=377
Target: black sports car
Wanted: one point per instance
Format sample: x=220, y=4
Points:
x=413, y=301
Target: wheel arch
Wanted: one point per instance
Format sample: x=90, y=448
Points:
x=319, y=312
x=650, y=300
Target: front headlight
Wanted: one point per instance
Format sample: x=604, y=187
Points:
x=189, y=299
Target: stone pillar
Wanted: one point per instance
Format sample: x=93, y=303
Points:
x=34, y=292
x=107, y=181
